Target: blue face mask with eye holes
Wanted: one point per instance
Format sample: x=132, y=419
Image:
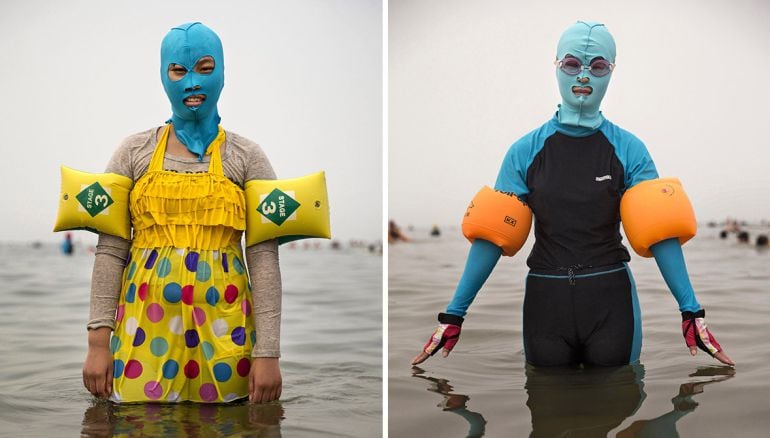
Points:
x=584, y=41
x=185, y=45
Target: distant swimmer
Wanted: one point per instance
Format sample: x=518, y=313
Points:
x=394, y=233
x=723, y=234
x=743, y=237
x=67, y=247
x=435, y=232
x=762, y=240
x=732, y=226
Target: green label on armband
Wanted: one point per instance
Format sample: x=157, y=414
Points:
x=94, y=199
x=277, y=207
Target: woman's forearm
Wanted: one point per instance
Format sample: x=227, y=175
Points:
x=109, y=262
x=266, y=291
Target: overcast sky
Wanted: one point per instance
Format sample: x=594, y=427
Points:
x=302, y=78
x=467, y=79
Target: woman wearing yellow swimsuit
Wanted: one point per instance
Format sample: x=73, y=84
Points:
x=188, y=323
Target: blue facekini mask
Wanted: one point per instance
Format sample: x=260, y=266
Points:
x=196, y=127
x=584, y=41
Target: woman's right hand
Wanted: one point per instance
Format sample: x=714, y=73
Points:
x=97, y=369
x=446, y=335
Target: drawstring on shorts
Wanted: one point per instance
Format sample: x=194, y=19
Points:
x=571, y=272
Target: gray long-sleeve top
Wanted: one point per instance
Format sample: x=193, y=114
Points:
x=243, y=160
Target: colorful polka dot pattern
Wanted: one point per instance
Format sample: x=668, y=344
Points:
x=184, y=329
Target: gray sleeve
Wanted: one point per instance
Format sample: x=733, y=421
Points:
x=110, y=258
x=264, y=270
x=258, y=166
x=265, y=274
x=111, y=255
x=120, y=162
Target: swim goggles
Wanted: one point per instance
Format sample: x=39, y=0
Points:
x=573, y=66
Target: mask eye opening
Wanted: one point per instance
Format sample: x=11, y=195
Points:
x=205, y=65
x=176, y=72
x=569, y=65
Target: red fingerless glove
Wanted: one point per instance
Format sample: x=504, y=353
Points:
x=697, y=334
x=446, y=335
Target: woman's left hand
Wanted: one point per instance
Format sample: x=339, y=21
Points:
x=697, y=335
x=265, y=382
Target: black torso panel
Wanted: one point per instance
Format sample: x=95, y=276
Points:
x=575, y=188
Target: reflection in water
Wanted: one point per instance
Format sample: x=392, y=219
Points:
x=665, y=425
x=105, y=419
x=591, y=402
x=454, y=403
x=579, y=402
x=587, y=402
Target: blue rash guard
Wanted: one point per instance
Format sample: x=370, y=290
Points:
x=573, y=178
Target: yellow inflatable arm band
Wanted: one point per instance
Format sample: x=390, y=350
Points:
x=96, y=202
x=499, y=218
x=287, y=209
x=656, y=210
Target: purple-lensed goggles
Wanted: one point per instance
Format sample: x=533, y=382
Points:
x=573, y=66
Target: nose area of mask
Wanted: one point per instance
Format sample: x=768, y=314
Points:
x=188, y=81
x=186, y=45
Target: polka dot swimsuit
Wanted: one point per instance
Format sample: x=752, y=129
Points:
x=184, y=328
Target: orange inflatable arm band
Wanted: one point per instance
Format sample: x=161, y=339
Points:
x=656, y=210
x=499, y=218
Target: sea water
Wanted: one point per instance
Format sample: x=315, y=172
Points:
x=484, y=387
x=331, y=353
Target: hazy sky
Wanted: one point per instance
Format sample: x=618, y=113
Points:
x=467, y=79
x=302, y=78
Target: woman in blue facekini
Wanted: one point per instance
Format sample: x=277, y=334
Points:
x=580, y=306
x=180, y=312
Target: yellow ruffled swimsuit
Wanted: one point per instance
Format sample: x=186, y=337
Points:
x=184, y=327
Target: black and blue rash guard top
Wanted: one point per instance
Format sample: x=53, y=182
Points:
x=573, y=178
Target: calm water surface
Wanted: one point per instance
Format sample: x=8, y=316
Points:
x=484, y=387
x=331, y=347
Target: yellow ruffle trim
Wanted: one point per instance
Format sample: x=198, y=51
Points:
x=203, y=211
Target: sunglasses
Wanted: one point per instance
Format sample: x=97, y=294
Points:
x=573, y=67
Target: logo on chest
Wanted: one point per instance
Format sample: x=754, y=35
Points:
x=603, y=178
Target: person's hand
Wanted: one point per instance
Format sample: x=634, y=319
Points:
x=697, y=335
x=97, y=371
x=446, y=335
x=265, y=382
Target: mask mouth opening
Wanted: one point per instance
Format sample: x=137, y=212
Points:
x=194, y=100
x=582, y=90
